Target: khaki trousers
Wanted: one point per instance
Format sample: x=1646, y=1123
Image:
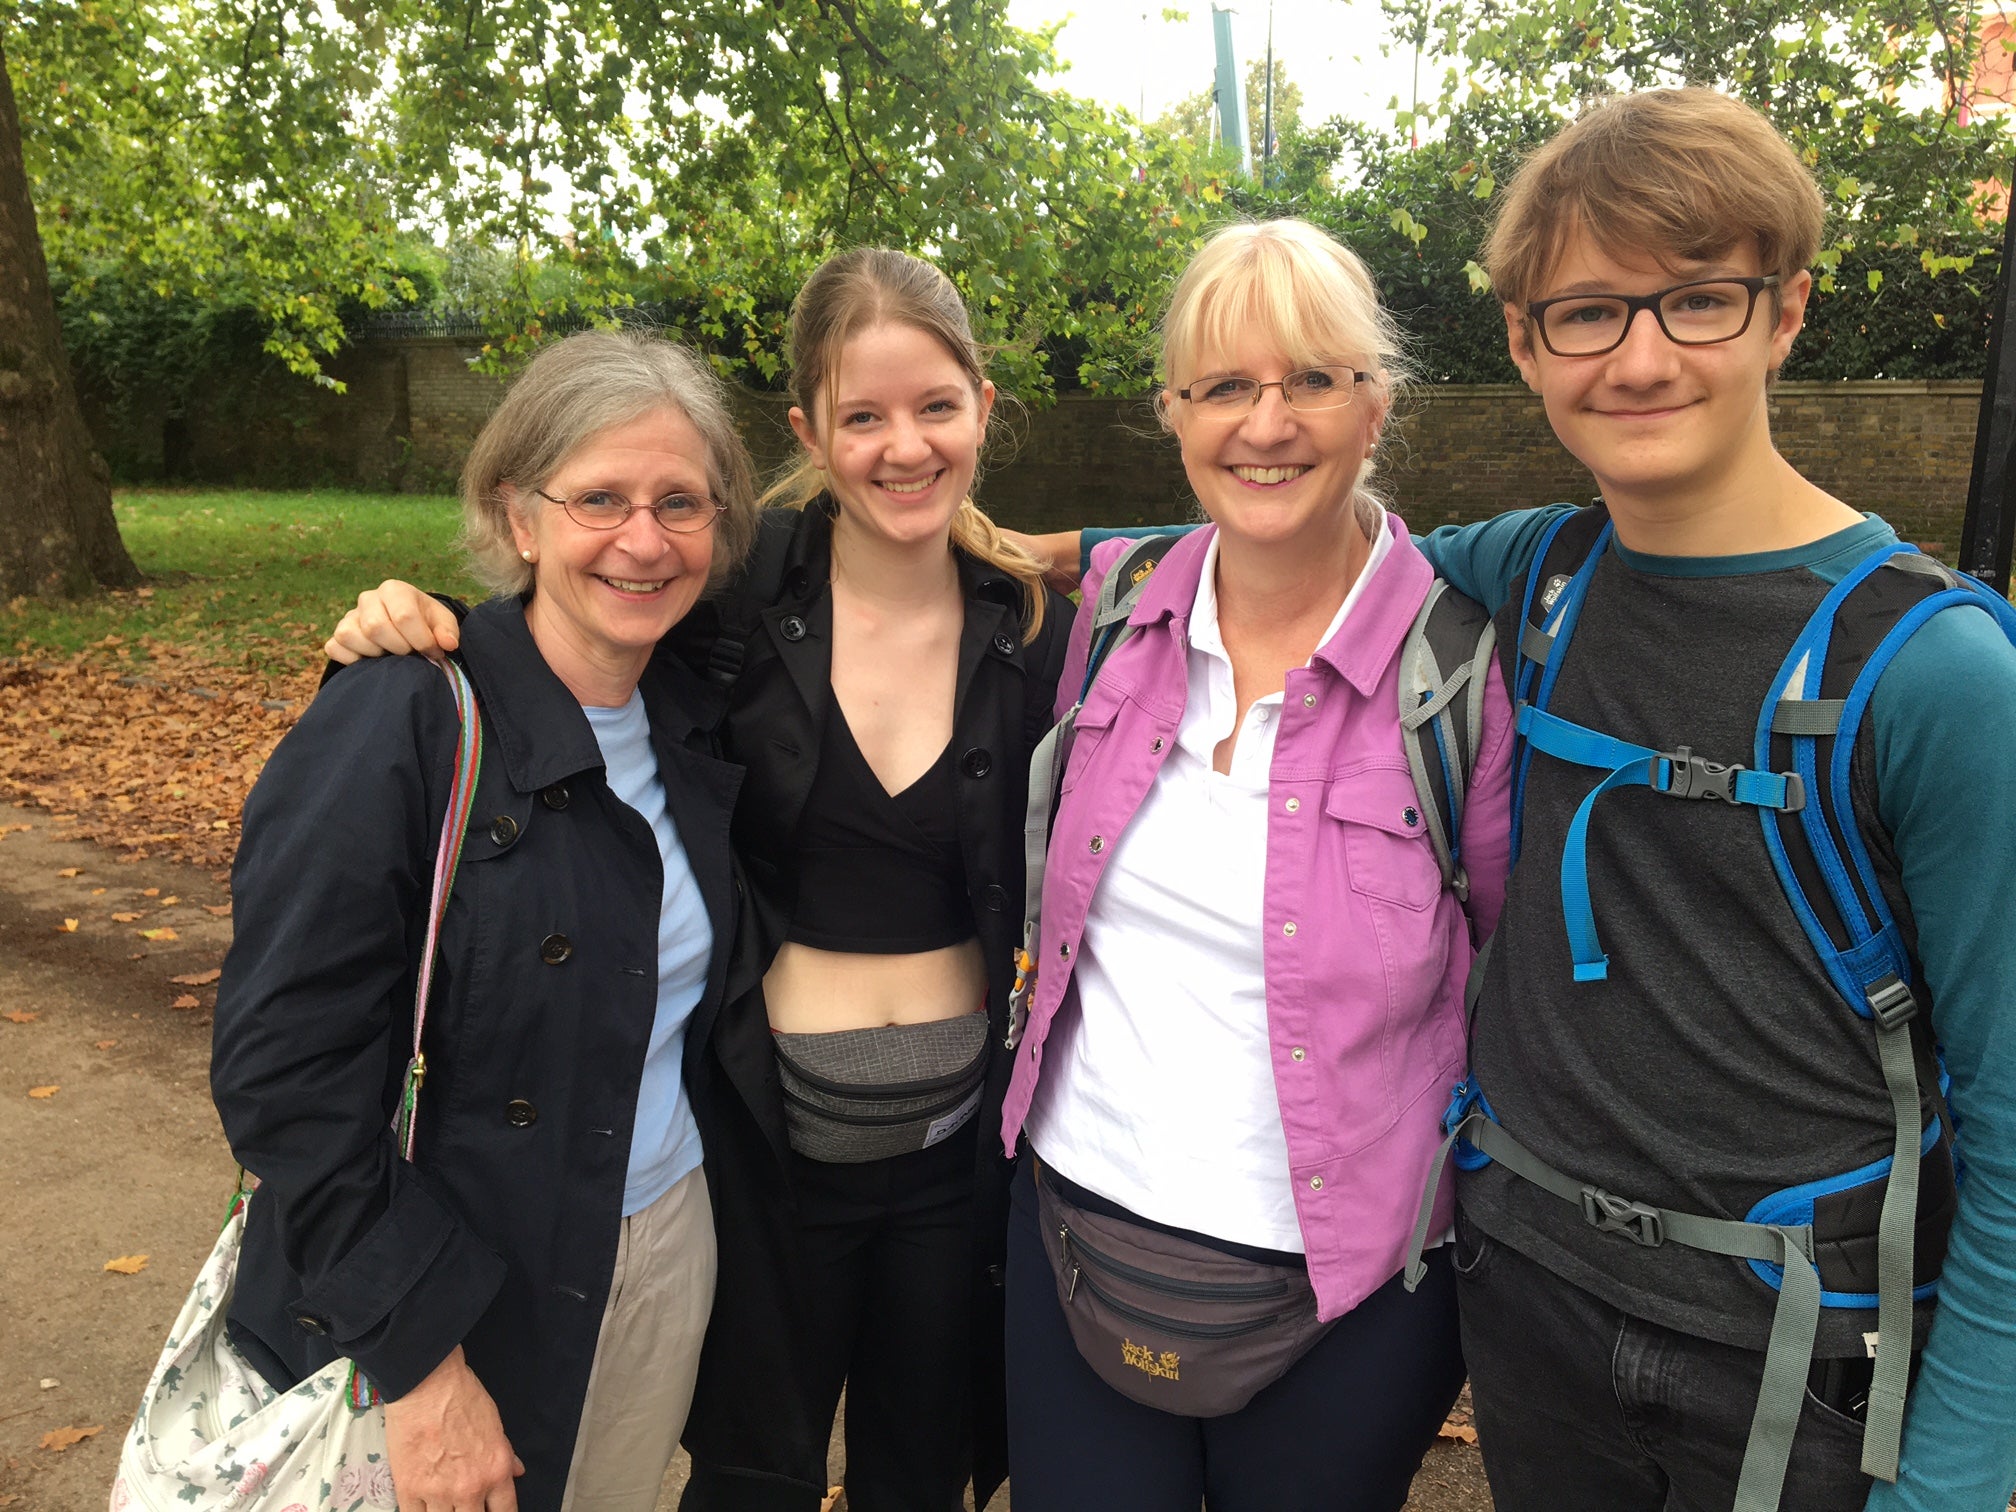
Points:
x=647, y=1353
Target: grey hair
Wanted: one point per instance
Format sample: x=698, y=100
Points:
x=576, y=388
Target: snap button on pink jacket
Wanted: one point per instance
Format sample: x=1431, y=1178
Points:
x=1365, y=990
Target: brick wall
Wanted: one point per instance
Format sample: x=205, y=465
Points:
x=1457, y=452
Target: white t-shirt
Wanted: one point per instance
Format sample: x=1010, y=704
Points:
x=1158, y=1094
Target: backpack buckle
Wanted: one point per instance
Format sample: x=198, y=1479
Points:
x=1689, y=776
x=1608, y=1213
x=1891, y=1003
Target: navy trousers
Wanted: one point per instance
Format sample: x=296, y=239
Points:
x=1343, y=1431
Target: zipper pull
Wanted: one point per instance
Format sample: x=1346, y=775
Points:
x=1071, y=1290
x=1064, y=1239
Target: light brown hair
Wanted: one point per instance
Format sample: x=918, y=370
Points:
x=1311, y=296
x=577, y=388
x=1684, y=175
x=855, y=291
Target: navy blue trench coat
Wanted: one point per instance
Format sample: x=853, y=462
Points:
x=501, y=1235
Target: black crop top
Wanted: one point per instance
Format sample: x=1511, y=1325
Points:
x=878, y=874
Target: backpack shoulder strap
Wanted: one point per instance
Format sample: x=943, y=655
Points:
x=1556, y=584
x=739, y=610
x=1444, y=664
x=1808, y=724
x=1119, y=592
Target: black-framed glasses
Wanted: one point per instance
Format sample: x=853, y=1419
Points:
x=602, y=509
x=1701, y=312
x=1316, y=388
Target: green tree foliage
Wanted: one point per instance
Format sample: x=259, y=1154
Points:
x=1194, y=117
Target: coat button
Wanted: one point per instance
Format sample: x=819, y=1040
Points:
x=1155, y=746
x=1293, y=805
x=520, y=1114
x=977, y=762
x=995, y=897
x=555, y=797
x=308, y=1323
x=1298, y=1054
x=1315, y=1183
x=1289, y=929
x=1004, y=645
x=1308, y=700
x=1064, y=951
x=555, y=948
x=995, y=1275
x=791, y=627
x=1410, y=816
x=503, y=830
x=1098, y=844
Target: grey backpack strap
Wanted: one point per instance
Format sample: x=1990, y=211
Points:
x=1444, y=666
x=1118, y=594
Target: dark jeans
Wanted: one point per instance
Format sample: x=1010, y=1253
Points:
x=1582, y=1408
x=885, y=1253
x=1343, y=1431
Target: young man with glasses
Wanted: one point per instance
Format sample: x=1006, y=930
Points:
x=1686, y=1118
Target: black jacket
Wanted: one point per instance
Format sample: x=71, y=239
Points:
x=751, y=1442
x=501, y=1236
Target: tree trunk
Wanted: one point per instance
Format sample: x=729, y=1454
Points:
x=57, y=534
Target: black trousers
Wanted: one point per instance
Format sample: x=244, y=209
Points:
x=1582, y=1408
x=1343, y=1431
x=885, y=1257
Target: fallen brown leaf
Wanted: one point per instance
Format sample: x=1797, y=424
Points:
x=60, y=1439
x=187, y=1000
x=45, y=1092
x=19, y=1016
x=1457, y=1433
x=165, y=932
x=97, y=892
x=68, y=926
x=165, y=902
x=127, y=1265
x=197, y=978
x=150, y=892
x=222, y=910
x=71, y=871
x=124, y=918
x=106, y=1044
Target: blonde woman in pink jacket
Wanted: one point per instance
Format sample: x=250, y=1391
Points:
x=1248, y=1008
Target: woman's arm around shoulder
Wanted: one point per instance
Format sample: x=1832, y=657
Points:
x=329, y=894
x=1487, y=809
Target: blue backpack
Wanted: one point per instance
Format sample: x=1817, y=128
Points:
x=1852, y=1239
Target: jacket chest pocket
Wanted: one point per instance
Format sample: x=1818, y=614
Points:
x=1386, y=847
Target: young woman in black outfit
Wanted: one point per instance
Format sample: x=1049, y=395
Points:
x=892, y=662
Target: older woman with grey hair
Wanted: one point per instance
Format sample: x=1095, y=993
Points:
x=528, y=1292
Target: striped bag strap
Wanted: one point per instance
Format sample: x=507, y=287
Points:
x=461, y=799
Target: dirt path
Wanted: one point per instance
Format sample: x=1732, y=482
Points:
x=125, y=1157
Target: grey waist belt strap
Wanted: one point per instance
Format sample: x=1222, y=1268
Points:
x=1794, y=1324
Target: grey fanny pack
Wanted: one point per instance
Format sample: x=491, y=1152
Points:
x=866, y=1094
x=1169, y=1322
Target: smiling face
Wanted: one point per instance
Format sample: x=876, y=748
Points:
x=1655, y=420
x=1271, y=472
x=897, y=434
x=602, y=598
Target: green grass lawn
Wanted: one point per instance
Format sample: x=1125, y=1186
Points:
x=245, y=578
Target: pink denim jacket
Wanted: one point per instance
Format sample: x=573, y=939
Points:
x=1366, y=955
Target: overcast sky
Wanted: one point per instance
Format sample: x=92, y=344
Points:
x=1123, y=52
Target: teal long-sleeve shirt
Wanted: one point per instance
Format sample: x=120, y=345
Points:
x=1943, y=717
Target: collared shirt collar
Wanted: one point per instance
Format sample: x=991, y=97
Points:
x=534, y=723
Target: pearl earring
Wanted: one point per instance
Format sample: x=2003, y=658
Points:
x=526, y=554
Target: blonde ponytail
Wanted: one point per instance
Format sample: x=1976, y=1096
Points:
x=978, y=536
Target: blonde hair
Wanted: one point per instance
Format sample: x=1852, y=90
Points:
x=577, y=388
x=1684, y=175
x=853, y=292
x=1309, y=296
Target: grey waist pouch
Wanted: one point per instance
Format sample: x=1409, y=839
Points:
x=866, y=1094
x=1168, y=1322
